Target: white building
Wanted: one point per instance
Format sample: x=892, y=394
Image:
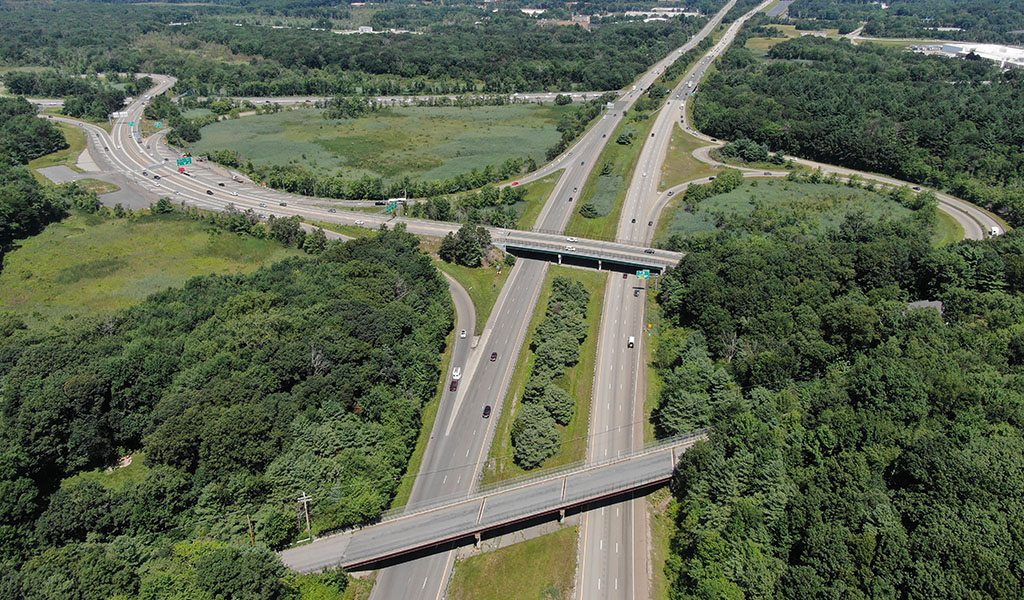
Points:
x=1008, y=57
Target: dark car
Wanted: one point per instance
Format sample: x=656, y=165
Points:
x=649, y=223
x=380, y=203
x=581, y=163
x=713, y=140
x=636, y=293
x=284, y=204
x=454, y=385
x=570, y=198
x=633, y=221
x=604, y=135
x=333, y=210
x=487, y=411
x=221, y=184
x=494, y=356
x=917, y=189
x=209, y=192
x=648, y=251
x=624, y=275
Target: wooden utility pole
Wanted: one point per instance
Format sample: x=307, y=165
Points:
x=305, y=499
x=252, y=537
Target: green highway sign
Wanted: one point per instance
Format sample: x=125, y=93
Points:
x=158, y=124
x=131, y=123
x=184, y=161
x=645, y=274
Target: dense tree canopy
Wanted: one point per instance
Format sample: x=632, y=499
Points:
x=242, y=391
x=861, y=448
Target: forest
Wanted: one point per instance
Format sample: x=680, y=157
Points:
x=949, y=123
x=236, y=392
x=503, y=52
x=862, y=446
x=980, y=20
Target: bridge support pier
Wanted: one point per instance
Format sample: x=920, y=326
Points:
x=599, y=264
x=476, y=544
x=561, y=516
x=559, y=259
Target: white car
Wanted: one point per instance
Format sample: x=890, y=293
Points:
x=457, y=373
x=570, y=248
x=572, y=239
x=359, y=222
x=645, y=174
x=462, y=334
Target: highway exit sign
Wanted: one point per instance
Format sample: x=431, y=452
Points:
x=131, y=123
x=184, y=161
x=645, y=274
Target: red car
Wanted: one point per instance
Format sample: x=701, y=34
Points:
x=494, y=356
x=454, y=385
x=487, y=411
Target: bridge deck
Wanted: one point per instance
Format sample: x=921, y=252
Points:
x=486, y=511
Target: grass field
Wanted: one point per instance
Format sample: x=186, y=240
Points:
x=761, y=45
x=578, y=381
x=421, y=142
x=67, y=157
x=662, y=509
x=680, y=165
x=607, y=192
x=537, y=194
x=947, y=230
x=483, y=284
x=539, y=569
x=114, y=479
x=86, y=265
x=95, y=185
x=769, y=205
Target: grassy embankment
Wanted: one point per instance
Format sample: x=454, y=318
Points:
x=537, y=193
x=421, y=142
x=607, y=192
x=543, y=567
x=88, y=265
x=67, y=157
x=577, y=380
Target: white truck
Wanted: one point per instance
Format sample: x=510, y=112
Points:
x=631, y=342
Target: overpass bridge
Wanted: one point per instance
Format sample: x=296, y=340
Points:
x=589, y=252
x=437, y=523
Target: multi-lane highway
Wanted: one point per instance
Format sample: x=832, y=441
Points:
x=613, y=547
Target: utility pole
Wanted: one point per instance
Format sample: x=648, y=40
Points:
x=252, y=537
x=305, y=499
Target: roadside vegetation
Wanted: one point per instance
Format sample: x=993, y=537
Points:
x=537, y=193
x=680, y=164
x=543, y=567
x=554, y=396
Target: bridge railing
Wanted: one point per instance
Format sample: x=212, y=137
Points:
x=533, y=478
x=657, y=260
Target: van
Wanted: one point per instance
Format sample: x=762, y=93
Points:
x=631, y=342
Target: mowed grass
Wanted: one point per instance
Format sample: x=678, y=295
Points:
x=608, y=192
x=421, y=142
x=483, y=285
x=537, y=193
x=761, y=45
x=539, y=569
x=680, y=165
x=578, y=381
x=114, y=479
x=765, y=205
x=67, y=157
x=947, y=230
x=86, y=265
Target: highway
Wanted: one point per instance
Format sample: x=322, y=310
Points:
x=613, y=556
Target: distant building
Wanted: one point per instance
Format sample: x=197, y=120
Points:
x=1008, y=57
x=933, y=304
x=365, y=29
x=533, y=12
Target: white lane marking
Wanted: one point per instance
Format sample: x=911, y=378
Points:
x=458, y=480
x=467, y=451
x=599, y=584
x=600, y=546
x=444, y=480
x=616, y=547
x=616, y=583
x=424, y=586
